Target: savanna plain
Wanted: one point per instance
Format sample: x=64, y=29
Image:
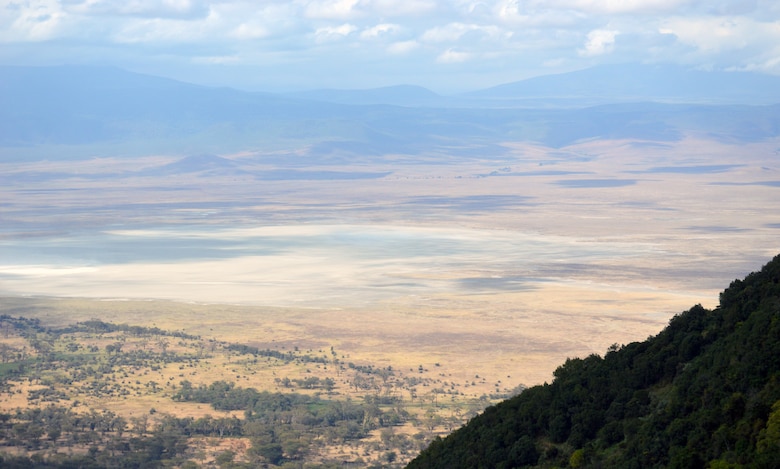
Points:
x=417, y=290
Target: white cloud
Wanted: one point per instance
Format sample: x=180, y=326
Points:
x=332, y=9
x=142, y=8
x=769, y=65
x=250, y=21
x=401, y=9
x=600, y=41
x=453, y=56
x=729, y=42
x=330, y=33
x=212, y=29
x=380, y=30
x=506, y=37
x=150, y=30
x=453, y=32
x=402, y=47
x=474, y=7
x=32, y=21
x=512, y=12
x=227, y=26
x=619, y=6
x=249, y=31
x=448, y=33
x=716, y=34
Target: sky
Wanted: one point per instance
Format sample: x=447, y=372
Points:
x=446, y=46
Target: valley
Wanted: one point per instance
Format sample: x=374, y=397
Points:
x=417, y=279
x=541, y=246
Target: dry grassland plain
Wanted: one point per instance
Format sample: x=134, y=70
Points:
x=501, y=267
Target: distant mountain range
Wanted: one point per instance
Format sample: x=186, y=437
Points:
x=636, y=83
x=604, y=84
x=77, y=105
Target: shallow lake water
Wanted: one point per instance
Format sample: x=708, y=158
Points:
x=311, y=265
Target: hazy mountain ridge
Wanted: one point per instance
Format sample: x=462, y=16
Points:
x=705, y=392
x=635, y=82
x=616, y=83
x=85, y=104
x=399, y=95
x=88, y=105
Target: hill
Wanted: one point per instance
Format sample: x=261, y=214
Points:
x=82, y=104
x=704, y=392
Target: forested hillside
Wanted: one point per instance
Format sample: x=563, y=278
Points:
x=705, y=392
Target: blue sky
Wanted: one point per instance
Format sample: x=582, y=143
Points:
x=447, y=46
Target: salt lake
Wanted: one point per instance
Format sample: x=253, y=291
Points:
x=302, y=265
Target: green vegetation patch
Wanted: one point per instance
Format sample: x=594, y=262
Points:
x=96, y=394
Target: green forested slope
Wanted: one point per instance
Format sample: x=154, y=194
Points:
x=705, y=392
